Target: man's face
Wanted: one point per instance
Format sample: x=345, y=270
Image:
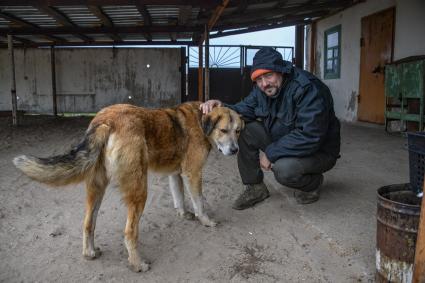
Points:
x=270, y=83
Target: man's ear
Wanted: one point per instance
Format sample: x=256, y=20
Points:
x=208, y=123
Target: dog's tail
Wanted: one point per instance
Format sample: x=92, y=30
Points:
x=69, y=168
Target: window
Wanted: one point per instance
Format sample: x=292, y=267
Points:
x=333, y=53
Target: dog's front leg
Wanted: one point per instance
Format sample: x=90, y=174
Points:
x=193, y=184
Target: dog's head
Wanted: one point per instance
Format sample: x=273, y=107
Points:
x=223, y=126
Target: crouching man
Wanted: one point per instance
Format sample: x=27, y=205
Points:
x=291, y=129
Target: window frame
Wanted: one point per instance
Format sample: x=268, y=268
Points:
x=335, y=74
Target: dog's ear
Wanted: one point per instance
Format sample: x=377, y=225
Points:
x=242, y=122
x=208, y=123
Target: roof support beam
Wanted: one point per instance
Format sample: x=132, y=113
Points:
x=21, y=22
x=293, y=20
x=22, y=40
x=259, y=28
x=147, y=20
x=100, y=30
x=196, y=3
x=102, y=43
x=214, y=18
x=106, y=21
x=292, y=11
x=62, y=19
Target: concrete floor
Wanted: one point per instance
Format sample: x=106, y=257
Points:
x=332, y=240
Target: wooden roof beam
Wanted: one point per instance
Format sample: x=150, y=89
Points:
x=214, y=18
x=185, y=12
x=24, y=23
x=260, y=28
x=298, y=19
x=102, y=43
x=267, y=13
x=147, y=20
x=24, y=41
x=62, y=19
x=100, y=30
x=195, y=3
x=106, y=21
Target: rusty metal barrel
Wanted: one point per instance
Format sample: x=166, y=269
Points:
x=397, y=227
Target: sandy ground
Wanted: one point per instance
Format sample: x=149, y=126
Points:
x=277, y=241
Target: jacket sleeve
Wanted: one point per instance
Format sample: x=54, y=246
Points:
x=311, y=126
x=246, y=107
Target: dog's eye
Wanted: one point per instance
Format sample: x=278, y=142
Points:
x=224, y=131
x=238, y=131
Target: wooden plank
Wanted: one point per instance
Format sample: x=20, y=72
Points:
x=419, y=264
x=13, y=82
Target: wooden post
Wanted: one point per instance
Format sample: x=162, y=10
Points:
x=299, y=46
x=419, y=265
x=207, y=63
x=200, y=74
x=53, y=68
x=13, y=81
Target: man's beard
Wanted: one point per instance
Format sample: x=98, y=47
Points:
x=271, y=91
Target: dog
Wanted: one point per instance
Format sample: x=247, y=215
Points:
x=122, y=143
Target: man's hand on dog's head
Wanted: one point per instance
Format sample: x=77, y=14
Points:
x=208, y=105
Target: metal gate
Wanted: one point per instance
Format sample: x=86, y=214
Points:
x=230, y=67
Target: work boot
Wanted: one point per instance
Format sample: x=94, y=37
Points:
x=253, y=194
x=302, y=197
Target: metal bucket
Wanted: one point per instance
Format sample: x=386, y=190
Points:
x=397, y=227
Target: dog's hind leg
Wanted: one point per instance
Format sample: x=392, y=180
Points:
x=135, y=197
x=193, y=183
x=177, y=191
x=95, y=189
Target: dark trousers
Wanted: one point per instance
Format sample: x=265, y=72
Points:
x=303, y=173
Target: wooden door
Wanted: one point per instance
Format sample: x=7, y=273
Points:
x=376, y=50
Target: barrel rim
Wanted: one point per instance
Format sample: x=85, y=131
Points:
x=395, y=188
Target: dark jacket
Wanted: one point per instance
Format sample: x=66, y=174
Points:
x=300, y=120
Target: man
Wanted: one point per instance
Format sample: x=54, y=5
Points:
x=291, y=129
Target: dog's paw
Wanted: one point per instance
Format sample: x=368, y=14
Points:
x=140, y=267
x=93, y=254
x=186, y=215
x=206, y=221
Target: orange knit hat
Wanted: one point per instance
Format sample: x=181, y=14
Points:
x=258, y=73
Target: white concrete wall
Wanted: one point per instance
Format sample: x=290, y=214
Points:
x=409, y=29
x=409, y=41
x=91, y=78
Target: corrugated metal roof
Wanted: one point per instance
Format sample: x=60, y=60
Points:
x=61, y=21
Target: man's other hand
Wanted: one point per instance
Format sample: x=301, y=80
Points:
x=208, y=105
x=265, y=162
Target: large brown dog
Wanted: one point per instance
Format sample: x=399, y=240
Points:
x=123, y=143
